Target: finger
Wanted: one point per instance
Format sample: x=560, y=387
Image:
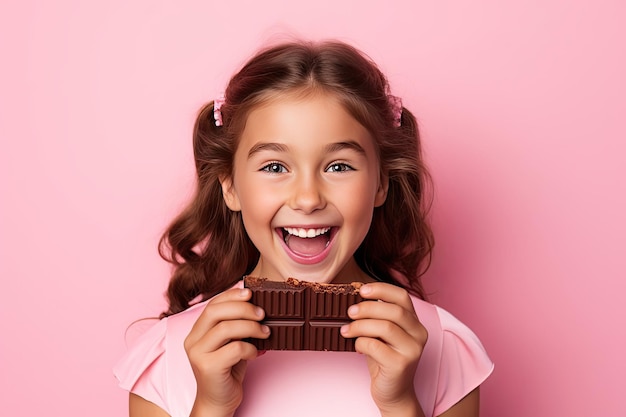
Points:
x=223, y=311
x=228, y=310
x=394, y=313
x=226, y=331
x=385, y=361
x=232, y=294
x=384, y=330
x=378, y=351
x=387, y=292
x=227, y=357
x=229, y=296
x=240, y=349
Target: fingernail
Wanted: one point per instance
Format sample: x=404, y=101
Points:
x=365, y=289
x=344, y=329
x=265, y=329
x=259, y=311
x=353, y=310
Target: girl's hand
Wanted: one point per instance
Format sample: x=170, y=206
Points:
x=389, y=333
x=218, y=354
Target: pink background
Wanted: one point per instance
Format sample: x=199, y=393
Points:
x=522, y=110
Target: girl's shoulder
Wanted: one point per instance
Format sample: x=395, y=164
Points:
x=157, y=355
x=460, y=359
x=438, y=319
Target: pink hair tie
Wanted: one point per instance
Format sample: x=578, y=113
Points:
x=217, y=110
x=396, y=109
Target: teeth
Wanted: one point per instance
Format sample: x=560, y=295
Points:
x=306, y=233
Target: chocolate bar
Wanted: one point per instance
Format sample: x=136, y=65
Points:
x=303, y=315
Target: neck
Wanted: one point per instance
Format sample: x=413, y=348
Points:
x=352, y=273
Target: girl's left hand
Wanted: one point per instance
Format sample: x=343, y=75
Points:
x=391, y=336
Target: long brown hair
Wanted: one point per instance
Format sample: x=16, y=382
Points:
x=207, y=243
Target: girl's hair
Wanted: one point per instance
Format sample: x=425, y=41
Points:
x=207, y=243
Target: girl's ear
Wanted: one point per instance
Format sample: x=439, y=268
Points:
x=381, y=193
x=230, y=195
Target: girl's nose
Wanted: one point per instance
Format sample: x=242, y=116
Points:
x=307, y=195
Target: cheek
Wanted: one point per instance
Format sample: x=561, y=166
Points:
x=258, y=204
x=256, y=197
x=358, y=204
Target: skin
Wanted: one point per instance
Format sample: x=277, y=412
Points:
x=290, y=170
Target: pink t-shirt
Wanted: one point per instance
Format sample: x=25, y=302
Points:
x=306, y=383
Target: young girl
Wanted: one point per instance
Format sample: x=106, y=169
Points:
x=308, y=168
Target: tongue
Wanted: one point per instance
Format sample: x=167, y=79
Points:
x=307, y=246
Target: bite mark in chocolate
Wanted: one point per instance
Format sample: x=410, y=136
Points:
x=304, y=315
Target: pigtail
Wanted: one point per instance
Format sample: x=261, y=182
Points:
x=419, y=188
x=399, y=244
x=204, y=242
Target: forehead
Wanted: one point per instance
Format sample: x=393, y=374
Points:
x=303, y=118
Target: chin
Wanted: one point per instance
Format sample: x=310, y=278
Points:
x=311, y=275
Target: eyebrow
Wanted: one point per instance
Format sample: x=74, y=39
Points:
x=350, y=144
x=265, y=146
x=279, y=147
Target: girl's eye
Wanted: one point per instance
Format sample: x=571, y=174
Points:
x=274, y=168
x=339, y=167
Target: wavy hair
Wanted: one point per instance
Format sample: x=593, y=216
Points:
x=207, y=244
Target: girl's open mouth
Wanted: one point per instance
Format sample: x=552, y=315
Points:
x=307, y=245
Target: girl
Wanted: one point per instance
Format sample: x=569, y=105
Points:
x=308, y=168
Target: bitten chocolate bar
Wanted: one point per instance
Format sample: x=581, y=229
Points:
x=304, y=315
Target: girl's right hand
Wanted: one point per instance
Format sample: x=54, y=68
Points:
x=217, y=353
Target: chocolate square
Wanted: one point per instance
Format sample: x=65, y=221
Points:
x=304, y=315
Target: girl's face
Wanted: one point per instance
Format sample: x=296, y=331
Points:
x=306, y=180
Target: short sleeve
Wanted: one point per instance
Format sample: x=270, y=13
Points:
x=464, y=363
x=142, y=369
x=156, y=366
